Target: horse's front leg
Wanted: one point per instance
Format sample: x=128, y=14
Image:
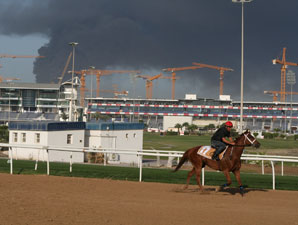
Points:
x=237, y=175
x=229, y=181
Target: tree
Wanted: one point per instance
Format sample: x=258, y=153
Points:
x=64, y=116
x=179, y=126
x=192, y=128
x=98, y=116
x=4, y=134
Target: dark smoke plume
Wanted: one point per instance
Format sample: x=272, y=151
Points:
x=152, y=35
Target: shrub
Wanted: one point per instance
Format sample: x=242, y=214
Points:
x=171, y=133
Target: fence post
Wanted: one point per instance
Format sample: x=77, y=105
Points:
x=70, y=163
x=36, y=162
x=141, y=167
x=282, y=168
x=48, y=162
x=158, y=159
x=11, y=167
x=263, y=172
x=273, y=175
x=203, y=177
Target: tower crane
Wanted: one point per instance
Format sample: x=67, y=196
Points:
x=284, y=65
x=276, y=93
x=173, y=71
x=98, y=74
x=60, y=79
x=18, y=56
x=149, y=84
x=8, y=79
x=221, y=73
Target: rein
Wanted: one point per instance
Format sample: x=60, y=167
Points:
x=246, y=138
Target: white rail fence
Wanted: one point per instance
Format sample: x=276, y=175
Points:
x=171, y=155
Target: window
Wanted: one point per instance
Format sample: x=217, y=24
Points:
x=23, y=137
x=37, y=138
x=69, y=139
x=15, y=137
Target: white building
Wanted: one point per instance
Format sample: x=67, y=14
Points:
x=116, y=136
x=42, y=133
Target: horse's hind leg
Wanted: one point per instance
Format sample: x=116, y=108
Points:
x=190, y=173
x=198, y=171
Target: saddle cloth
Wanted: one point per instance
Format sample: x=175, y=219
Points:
x=207, y=152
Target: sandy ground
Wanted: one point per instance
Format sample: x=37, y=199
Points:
x=41, y=199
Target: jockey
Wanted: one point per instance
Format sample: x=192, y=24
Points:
x=221, y=138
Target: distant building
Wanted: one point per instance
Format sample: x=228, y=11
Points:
x=116, y=136
x=43, y=133
x=34, y=101
x=109, y=136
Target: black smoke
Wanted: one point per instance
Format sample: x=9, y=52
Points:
x=152, y=35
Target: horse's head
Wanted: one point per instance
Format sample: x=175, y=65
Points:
x=250, y=140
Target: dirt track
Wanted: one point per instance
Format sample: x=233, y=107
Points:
x=27, y=199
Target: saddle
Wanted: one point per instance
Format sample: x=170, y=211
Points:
x=207, y=152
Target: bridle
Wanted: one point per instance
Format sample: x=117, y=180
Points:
x=247, y=138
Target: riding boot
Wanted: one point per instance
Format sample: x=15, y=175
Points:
x=215, y=155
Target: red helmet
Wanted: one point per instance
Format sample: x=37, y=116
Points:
x=229, y=124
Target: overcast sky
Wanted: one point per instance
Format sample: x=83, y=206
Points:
x=150, y=36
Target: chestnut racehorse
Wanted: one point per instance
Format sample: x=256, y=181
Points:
x=229, y=163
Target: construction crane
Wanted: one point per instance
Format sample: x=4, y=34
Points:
x=18, y=56
x=8, y=79
x=149, y=85
x=60, y=79
x=276, y=93
x=98, y=74
x=173, y=71
x=221, y=73
x=284, y=66
x=116, y=93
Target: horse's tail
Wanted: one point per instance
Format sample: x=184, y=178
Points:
x=184, y=158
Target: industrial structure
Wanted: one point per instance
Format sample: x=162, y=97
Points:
x=284, y=66
x=221, y=73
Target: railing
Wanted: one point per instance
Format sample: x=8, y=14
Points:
x=140, y=153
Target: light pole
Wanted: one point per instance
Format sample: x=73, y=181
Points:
x=73, y=44
x=242, y=60
x=291, y=80
x=91, y=89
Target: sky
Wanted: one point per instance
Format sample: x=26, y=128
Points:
x=149, y=36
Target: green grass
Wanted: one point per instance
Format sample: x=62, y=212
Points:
x=256, y=181
x=182, y=143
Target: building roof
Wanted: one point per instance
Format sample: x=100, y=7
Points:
x=18, y=85
x=114, y=126
x=46, y=125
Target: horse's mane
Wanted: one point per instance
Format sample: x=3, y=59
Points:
x=238, y=138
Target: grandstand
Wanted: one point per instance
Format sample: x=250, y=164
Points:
x=32, y=101
x=256, y=115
